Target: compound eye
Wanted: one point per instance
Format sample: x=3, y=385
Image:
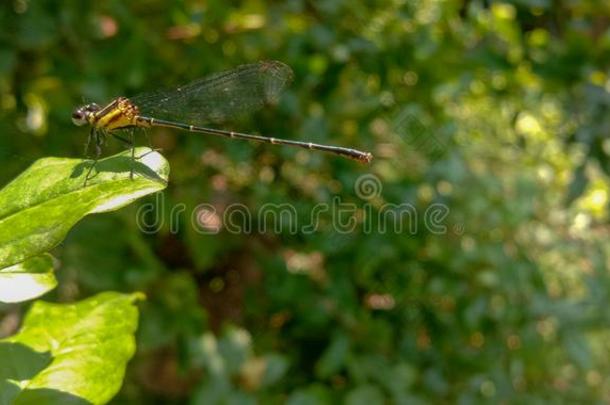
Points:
x=79, y=117
x=92, y=107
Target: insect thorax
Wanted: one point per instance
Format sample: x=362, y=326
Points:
x=120, y=113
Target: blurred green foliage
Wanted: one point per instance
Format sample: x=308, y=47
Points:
x=507, y=304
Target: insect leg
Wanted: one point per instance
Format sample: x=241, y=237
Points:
x=99, y=141
x=89, y=138
x=133, y=151
x=131, y=143
x=146, y=132
x=120, y=138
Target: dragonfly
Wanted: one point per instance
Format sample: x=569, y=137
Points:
x=193, y=107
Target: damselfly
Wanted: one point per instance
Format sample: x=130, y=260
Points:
x=213, y=99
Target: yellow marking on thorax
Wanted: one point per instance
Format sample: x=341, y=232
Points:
x=119, y=114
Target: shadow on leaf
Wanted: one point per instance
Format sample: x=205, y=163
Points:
x=49, y=396
x=20, y=363
x=117, y=164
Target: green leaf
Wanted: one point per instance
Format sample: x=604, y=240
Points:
x=70, y=353
x=334, y=357
x=40, y=206
x=579, y=183
x=313, y=394
x=365, y=395
x=27, y=280
x=275, y=368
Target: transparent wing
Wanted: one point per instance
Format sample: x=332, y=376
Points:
x=219, y=97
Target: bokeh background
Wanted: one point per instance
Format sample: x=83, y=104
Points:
x=509, y=304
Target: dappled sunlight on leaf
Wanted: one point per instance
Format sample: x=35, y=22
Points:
x=39, y=207
x=27, y=280
x=76, y=351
